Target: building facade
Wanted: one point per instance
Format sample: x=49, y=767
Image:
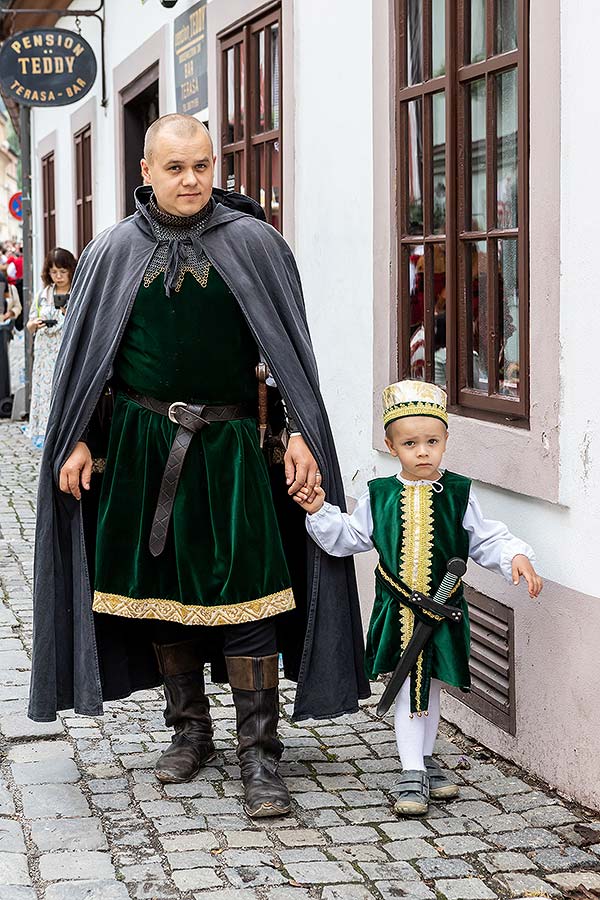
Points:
x=428, y=160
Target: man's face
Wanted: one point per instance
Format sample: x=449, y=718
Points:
x=181, y=171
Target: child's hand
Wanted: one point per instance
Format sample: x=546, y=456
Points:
x=522, y=566
x=301, y=498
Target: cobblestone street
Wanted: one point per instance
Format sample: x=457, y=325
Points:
x=81, y=815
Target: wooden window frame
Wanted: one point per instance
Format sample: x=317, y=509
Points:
x=84, y=208
x=247, y=140
x=462, y=399
x=49, y=201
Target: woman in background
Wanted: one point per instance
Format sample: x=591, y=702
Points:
x=46, y=320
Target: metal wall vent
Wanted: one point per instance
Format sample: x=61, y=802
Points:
x=492, y=661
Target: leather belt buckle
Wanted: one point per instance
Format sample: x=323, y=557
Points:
x=171, y=411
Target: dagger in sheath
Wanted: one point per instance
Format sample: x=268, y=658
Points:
x=422, y=631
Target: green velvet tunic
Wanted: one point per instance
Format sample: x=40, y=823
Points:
x=416, y=530
x=223, y=562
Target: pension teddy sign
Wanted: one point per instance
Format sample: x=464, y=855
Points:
x=46, y=67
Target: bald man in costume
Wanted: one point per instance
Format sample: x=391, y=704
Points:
x=164, y=539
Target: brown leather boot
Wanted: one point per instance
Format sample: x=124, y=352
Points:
x=187, y=712
x=254, y=682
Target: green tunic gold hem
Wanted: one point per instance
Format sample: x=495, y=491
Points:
x=223, y=561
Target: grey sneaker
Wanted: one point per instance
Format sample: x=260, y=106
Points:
x=440, y=788
x=413, y=793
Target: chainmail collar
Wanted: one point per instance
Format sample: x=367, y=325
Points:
x=175, y=255
x=179, y=222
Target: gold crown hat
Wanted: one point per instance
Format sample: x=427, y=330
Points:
x=413, y=398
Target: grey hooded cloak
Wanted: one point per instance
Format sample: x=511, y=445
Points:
x=74, y=658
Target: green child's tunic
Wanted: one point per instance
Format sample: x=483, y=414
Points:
x=416, y=530
x=223, y=562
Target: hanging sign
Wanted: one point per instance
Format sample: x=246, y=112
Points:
x=191, y=76
x=46, y=67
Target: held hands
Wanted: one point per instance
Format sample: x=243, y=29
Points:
x=77, y=467
x=522, y=566
x=314, y=505
x=301, y=470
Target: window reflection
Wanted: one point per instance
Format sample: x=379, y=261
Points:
x=477, y=314
x=477, y=156
x=477, y=36
x=438, y=38
x=439, y=163
x=230, y=95
x=275, y=76
x=506, y=26
x=414, y=27
x=419, y=260
x=507, y=156
x=415, y=166
x=508, y=299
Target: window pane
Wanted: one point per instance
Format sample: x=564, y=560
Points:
x=506, y=26
x=259, y=187
x=438, y=38
x=477, y=315
x=477, y=220
x=414, y=41
x=477, y=36
x=508, y=299
x=507, y=149
x=261, y=81
x=415, y=166
x=275, y=76
x=230, y=95
x=275, y=185
x=439, y=163
x=242, y=52
x=240, y=172
x=229, y=172
x=416, y=288
x=439, y=314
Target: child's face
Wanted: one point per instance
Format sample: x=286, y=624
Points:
x=419, y=442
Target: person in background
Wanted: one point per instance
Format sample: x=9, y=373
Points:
x=46, y=320
x=10, y=308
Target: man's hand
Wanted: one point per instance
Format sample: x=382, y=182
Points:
x=317, y=503
x=77, y=467
x=522, y=566
x=301, y=468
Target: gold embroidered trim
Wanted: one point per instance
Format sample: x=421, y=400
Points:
x=416, y=558
x=98, y=466
x=173, y=611
x=415, y=408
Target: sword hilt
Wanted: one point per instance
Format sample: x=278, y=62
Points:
x=455, y=569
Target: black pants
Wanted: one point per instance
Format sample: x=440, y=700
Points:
x=247, y=639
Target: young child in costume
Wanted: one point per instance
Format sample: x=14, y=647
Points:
x=417, y=520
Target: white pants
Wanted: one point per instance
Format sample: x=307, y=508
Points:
x=416, y=736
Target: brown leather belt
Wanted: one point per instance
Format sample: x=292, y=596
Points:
x=191, y=418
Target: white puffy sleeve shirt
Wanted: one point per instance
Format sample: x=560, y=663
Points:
x=491, y=544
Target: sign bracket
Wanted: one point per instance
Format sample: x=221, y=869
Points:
x=75, y=13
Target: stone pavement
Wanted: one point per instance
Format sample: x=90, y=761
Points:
x=82, y=818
